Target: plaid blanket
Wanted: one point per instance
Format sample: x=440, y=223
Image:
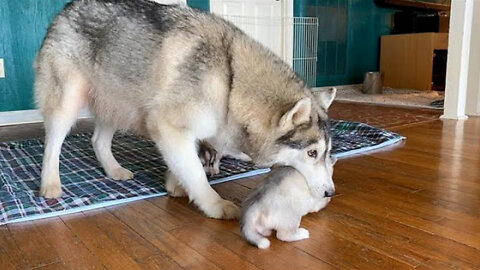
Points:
x=85, y=185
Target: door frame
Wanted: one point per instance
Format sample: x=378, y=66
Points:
x=463, y=64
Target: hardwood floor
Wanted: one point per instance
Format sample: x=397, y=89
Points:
x=414, y=205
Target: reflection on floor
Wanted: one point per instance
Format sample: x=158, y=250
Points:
x=382, y=116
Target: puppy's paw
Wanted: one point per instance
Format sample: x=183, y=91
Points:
x=51, y=191
x=302, y=233
x=222, y=209
x=263, y=244
x=120, y=174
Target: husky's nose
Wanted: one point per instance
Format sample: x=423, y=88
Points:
x=329, y=193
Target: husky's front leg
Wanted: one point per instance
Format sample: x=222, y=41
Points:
x=179, y=150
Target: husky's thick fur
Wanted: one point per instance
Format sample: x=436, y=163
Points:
x=178, y=76
x=278, y=203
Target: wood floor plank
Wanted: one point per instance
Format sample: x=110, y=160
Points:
x=149, y=228
x=411, y=176
x=108, y=252
x=389, y=244
x=10, y=255
x=35, y=250
x=336, y=250
x=204, y=243
x=55, y=266
x=410, y=215
x=164, y=220
x=126, y=239
x=413, y=200
x=392, y=239
x=132, y=244
x=373, y=225
x=412, y=219
x=73, y=253
x=158, y=262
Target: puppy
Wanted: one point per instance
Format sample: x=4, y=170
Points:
x=278, y=203
x=209, y=157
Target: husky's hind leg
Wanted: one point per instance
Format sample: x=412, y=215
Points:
x=179, y=150
x=61, y=99
x=102, y=145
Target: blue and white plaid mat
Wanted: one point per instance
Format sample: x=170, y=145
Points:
x=85, y=185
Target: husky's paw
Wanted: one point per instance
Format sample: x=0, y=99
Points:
x=223, y=209
x=243, y=157
x=173, y=187
x=263, y=244
x=120, y=174
x=51, y=191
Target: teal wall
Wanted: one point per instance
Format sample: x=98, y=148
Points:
x=199, y=4
x=23, y=25
x=348, y=38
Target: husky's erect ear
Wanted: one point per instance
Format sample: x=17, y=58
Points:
x=326, y=97
x=299, y=113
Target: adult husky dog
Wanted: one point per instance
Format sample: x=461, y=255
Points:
x=178, y=76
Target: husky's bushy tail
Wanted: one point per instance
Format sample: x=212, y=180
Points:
x=250, y=231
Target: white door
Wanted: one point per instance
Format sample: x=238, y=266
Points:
x=263, y=20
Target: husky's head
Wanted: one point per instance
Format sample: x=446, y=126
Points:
x=303, y=141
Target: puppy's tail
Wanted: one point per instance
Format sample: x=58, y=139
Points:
x=250, y=232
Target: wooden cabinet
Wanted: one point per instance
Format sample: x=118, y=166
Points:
x=406, y=60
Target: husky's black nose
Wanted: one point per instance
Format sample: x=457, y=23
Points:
x=329, y=193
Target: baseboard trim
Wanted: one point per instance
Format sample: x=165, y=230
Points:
x=339, y=87
x=30, y=116
x=454, y=117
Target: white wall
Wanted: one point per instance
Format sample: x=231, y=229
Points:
x=458, y=59
x=462, y=93
x=473, y=83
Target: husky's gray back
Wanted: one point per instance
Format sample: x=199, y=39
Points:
x=132, y=51
x=120, y=37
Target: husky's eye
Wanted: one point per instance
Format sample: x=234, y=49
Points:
x=312, y=153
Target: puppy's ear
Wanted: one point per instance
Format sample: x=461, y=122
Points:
x=326, y=97
x=299, y=113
